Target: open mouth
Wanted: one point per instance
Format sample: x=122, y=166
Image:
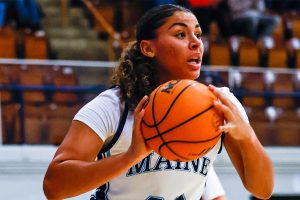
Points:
x=194, y=61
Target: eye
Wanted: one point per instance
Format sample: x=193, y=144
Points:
x=198, y=35
x=180, y=35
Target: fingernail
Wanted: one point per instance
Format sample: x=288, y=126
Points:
x=146, y=102
x=212, y=87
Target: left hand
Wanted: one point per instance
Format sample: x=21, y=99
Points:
x=235, y=125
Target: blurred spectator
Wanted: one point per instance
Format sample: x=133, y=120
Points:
x=25, y=14
x=2, y=14
x=29, y=15
x=5, y=8
x=206, y=11
x=152, y=3
x=283, y=5
x=248, y=18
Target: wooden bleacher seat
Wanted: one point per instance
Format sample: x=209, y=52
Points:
x=297, y=56
x=219, y=54
x=295, y=27
x=289, y=115
x=253, y=82
x=214, y=32
x=283, y=84
x=36, y=47
x=10, y=124
x=5, y=80
x=32, y=76
x=7, y=43
x=36, y=124
x=63, y=111
x=278, y=32
x=262, y=126
x=257, y=114
x=48, y=123
x=278, y=57
x=58, y=129
x=248, y=53
x=65, y=77
x=264, y=132
x=288, y=133
x=60, y=119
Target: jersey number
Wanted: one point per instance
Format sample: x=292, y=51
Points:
x=181, y=197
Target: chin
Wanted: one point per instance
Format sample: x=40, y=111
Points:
x=195, y=75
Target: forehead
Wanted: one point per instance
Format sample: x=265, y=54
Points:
x=181, y=17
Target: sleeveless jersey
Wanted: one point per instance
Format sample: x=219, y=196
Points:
x=154, y=177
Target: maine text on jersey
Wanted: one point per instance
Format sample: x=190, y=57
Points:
x=199, y=166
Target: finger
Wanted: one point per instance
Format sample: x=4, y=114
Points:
x=142, y=104
x=220, y=95
x=225, y=110
x=226, y=128
x=139, y=111
x=138, y=118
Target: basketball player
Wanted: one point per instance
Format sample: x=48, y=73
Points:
x=168, y=46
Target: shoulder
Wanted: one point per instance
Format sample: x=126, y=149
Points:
x=112, y=94
x=102, y=114
x=108, y=99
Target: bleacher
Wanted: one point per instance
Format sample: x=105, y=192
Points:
x=35, y=92
x=39, y=99
x=39, y=96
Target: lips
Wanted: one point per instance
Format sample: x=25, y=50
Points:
x=194, y=58
x=194, y=61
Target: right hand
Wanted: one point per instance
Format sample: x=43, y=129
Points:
x=138, y=148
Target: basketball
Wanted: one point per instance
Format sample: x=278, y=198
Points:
x=180, y=122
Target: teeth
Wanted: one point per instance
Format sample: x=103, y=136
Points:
x=193, y=61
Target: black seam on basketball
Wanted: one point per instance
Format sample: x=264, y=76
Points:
x=182, y=123
x=153, y=116
x=175, y=153
x=183, y=141
x=166, y=114
x=172, y=104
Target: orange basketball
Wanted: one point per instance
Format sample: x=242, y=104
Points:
x=180, y=122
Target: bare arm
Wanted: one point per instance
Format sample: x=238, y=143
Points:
x=74, y=170
x=245, y=151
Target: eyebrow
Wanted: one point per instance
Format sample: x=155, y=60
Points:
x=182, y=24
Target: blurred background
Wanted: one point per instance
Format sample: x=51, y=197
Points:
x=56, y=55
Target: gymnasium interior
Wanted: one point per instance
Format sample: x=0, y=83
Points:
x=52, y=65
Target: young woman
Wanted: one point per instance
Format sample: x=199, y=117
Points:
x=168, y=46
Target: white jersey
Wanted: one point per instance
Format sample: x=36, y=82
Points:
x=213, y=187
x=154, y=177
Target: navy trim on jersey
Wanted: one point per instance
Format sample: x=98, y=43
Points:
x=118, y=132
x=221, y=146
x=101, y=191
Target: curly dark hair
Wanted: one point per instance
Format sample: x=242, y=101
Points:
x=136, y=74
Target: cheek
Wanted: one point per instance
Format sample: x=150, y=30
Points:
x=173, y=52
x=169, y=53
x=170, y=48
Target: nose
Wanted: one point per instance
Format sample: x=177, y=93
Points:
x=195, y=43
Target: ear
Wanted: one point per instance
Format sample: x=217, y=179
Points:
x=147, y=48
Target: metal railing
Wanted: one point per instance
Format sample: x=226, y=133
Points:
x=233, y=76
